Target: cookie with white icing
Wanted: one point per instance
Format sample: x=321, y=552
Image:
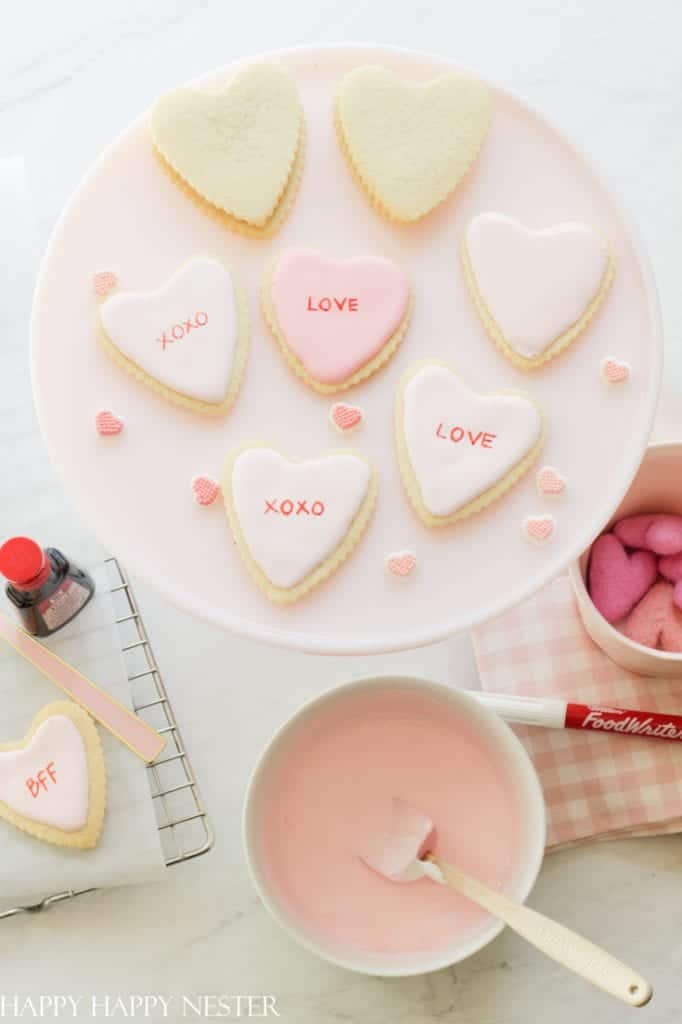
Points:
x=53, y=782
x=296, y=521
x=187, y=340
x=409, y=144
x=336, y=321
x=535, y=290
x=238, y=150
x=460, y=450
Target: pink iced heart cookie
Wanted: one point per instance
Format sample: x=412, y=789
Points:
x=539, y=528
x=550, y=482
x=617, y=581
x=345, y=417
x=52, y=783
x=656, y=621
x=613, y=371
x=337, y=322
x=401, y=563
x=104, y=281
x=508, y=266
x=205, y=490
x=107, y=423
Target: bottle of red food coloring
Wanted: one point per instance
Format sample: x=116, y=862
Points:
x=44, y=586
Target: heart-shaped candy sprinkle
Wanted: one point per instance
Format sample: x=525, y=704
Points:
x=345, y=417
x=205, y=490
x=613, y=371
x=104, y=282
x=550, y=482
x=401, y=563
x=539, y=528
x=108, y=425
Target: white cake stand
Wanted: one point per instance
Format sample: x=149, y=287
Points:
x=134, y=490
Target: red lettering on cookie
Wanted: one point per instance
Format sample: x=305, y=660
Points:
x=439, y=432
x=456, y=434
x=201, y=322
x=488, y=440
x=40, y=783
x=181, y=330
x=270, y=506
x=473, y=438
x=164, y=341
x=51, y=771
x=286, y=507
x=353, y=305
x=177, y=332
x=302, y=508
x=32, y=787
x=328, y=303
x=317, y=508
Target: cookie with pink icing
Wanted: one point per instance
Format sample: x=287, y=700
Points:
x=336, y=321
x=296, y=521
x=535, y=290
x=187, y=340
x=53, y=782
x=459, y=450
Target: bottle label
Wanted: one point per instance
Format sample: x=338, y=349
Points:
x=63, y=603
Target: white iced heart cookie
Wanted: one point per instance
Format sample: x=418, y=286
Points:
x=188, y=340
x=460, y=450
x=296, y=522
x=52, y=783
x=410, y=143
x=239, y=149
x=535, y=291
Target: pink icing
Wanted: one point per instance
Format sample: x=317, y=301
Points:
x=332, y=791
x=368, y=298
x=47, y=781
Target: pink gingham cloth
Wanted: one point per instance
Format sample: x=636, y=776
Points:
x=596, y=785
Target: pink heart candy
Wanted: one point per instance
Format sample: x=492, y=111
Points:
x=670, y=566
x=655, y=532
x=401, y=563
x=617, y=581
x=614, y=371
x=539, y=528
x=656, y=622
x=108, y=425
x=550, y=481
x=104, y=282
x=205, y=490
x=345, y=417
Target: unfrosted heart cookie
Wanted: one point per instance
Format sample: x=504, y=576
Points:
x=535, y=291
x=240, y=149
x=460, y=450
x=337, y=322
x=187, y=340
x=410, y=143
x=53, y=782
x=296, y=522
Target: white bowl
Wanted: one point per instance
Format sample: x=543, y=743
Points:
x=657, y=487
x=530, y=846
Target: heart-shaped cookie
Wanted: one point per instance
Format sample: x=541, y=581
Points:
x=187, y=340
x=460, y=450
x=296, y=522
x=535, y=291
x=337, y=322
x=236, y=148
x=410, y=143
x=53, y=783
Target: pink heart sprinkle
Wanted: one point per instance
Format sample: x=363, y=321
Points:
x=539, y=528
x=401, y=563
x=614, y=372
x=107, y=423
x=550, y=481
x=205, y=490
x=104, y=282
x=345, y=417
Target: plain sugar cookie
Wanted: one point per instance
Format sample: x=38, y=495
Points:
x=295, y=522
x=460, y=450
x=409, y=144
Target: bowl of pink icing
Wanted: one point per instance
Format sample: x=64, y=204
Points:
x=656, y=492
x=326, y=783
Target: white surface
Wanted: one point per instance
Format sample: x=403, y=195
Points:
x=609, y=73
x=130, y=217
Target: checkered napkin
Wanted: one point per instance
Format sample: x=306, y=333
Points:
x=596, y=785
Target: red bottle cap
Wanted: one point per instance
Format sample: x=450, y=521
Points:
x=23, y=562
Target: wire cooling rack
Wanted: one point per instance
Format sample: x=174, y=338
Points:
x=183, y=825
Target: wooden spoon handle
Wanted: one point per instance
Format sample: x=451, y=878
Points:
x=560, y=943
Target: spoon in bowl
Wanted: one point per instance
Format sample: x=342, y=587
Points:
x=405, y=853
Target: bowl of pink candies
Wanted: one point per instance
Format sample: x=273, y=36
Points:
x=629, y=583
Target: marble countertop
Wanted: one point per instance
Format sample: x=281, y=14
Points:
x=73, y=75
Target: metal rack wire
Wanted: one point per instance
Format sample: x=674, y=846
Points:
x=184, y=827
